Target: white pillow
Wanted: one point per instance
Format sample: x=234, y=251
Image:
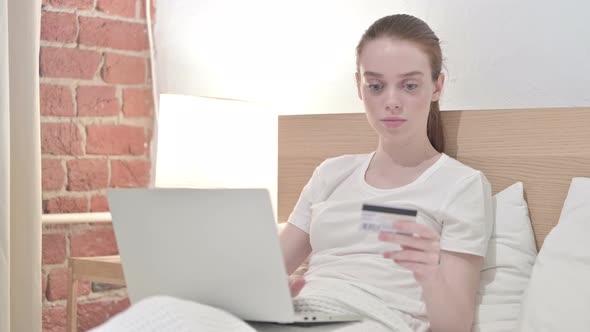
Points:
x=507, y=265
x=558, y=296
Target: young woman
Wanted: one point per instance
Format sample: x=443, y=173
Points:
x=427, y=279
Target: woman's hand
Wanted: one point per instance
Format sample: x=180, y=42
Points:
x=295, y=285
x=420, y=251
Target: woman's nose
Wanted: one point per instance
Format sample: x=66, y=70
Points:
x=392, y=101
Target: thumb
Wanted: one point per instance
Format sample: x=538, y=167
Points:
x=295, y=285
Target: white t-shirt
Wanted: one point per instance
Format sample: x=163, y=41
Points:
x=451, y=197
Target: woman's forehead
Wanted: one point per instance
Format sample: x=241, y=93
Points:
x=390, y=58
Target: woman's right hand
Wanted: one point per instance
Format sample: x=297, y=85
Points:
x=295, y=285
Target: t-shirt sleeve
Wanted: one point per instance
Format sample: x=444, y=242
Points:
x=467, y=216
x=301, y=214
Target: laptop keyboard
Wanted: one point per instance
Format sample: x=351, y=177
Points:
x=311, y=305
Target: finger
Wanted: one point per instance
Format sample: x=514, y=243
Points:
x=296, y=285
x=410, y=241
x=408, y=248
x=421, y=230
x=296, y=282
x=413, y=256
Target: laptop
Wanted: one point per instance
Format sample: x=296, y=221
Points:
x=219, y=247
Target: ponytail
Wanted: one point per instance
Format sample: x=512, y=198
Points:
x=434, y=128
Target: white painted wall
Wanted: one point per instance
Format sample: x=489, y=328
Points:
x=299, y=55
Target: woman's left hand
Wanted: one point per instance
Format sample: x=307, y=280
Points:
x=420, y=251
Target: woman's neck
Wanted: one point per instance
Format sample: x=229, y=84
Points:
x=405, y=154
x=395, y=165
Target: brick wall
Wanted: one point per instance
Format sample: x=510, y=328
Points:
x=96, y=120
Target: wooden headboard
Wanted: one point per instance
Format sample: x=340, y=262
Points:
x=543, y=148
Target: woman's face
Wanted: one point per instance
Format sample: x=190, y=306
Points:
x=395, y=83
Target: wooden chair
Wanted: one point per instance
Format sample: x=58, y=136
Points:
x=106, y=269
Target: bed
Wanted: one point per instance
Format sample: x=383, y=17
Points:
x=543, y=148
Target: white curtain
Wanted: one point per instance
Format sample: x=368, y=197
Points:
x=20, y=167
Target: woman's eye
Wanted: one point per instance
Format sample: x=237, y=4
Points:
x=375, y=87
x=410, y=86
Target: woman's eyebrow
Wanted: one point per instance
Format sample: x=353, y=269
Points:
x=412, y=73
x=372, y=73
x=408, y=74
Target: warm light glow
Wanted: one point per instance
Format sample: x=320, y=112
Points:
x=216, y=143
x=297, y=56
x=300, y=55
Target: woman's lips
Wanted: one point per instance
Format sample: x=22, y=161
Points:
x=393, y=122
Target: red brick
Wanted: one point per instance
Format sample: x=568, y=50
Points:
x=43, y=285
x=67, y=205
x=149, y=143
x=96, y=31
x=56, y=100
x=54, y=249
x=57, y=285
x=59, y=27
x=123, y=69
x=99, y=203
x=98, y=242
x=137, y=102
x=68, y=63
x=53, y=174
x=97, y=101
x=124, y=8
x=91, y=314
x=54, y=319
x=130, y=173
x=87, y=174
x=152, y=9
x=58, y=227
x=115, y=140
x=149, y=72
x=61, y=138
x=81, y=4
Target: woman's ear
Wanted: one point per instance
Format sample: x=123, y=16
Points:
x=438, y=87
x=358, y=85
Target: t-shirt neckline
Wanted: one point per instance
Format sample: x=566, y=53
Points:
x=427, y=173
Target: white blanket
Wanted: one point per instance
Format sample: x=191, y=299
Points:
x=378, y=316
x=167, y=314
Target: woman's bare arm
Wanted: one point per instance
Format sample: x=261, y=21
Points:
x=295, y=246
